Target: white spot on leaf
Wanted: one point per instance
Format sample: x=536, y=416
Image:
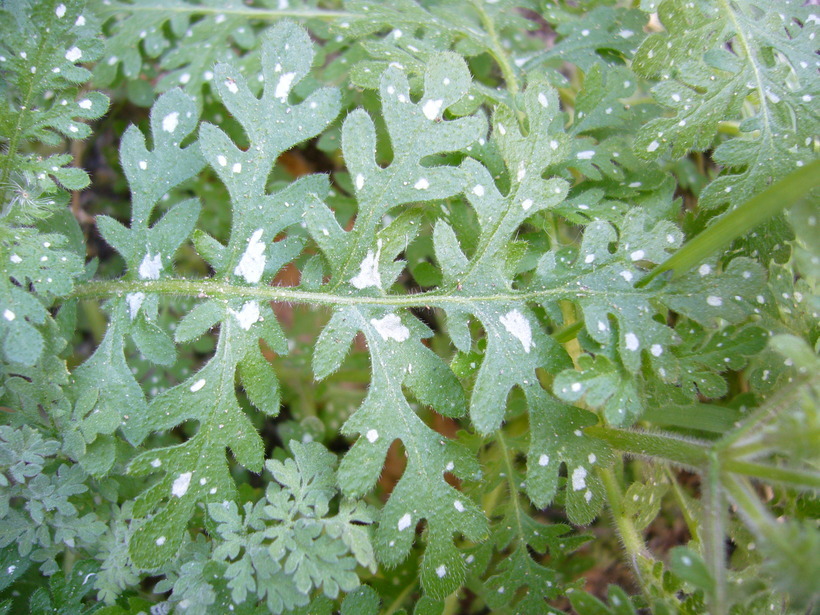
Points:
x=421, y=184
x=441, y=571
x=9, y=315
x=632, y=341
x=60, y=11
x=585, y=155
x=656, y=350
x=150, y=267
x=170, y=121
x=134, y=303
x=519, y=327
x=369, y=270
x=359, y=181
x=458, y=506
x=283, y=86
x=181, y=484
x=197, y=386
x=73, y=54
x=372, y=435
x=404, y=522
x=248, y=315
x=637, y=255
x=391, y=327
x=252, y=264
x=432, y=108
x=714, y=301
x=544, y=460
x=579, y=478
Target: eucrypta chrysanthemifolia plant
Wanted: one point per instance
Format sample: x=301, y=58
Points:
x=557, y=254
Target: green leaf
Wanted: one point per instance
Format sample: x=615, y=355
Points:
x=705, y=82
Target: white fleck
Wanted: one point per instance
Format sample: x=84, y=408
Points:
x=156, y=463
x=134, y=303
x=478, y=190
x=714, y=301
x=704, y=269
x=184, y=78
x=579, y=476
x=585, y=32
x=676, y=97
x=637, y=255
x=422, y=184
x=441, y=571
x=632, y=341
x=369, y=270
x=656, y=350
x=80, y=21
x=11, y=569
x=588, y=495
x=576, y=386
x=519, y=327
x=372, y=435
x=592, y=458
x=170, y=121
x=626, y=275
x=405, y=522
x=15, y=258
x=180, y=486
x=602, y=326
x=150, y=266
x=196, y=386
x=207, y=75
x=652, y=146
x=390, y=327
x=585, y=155
x=450, y=466
x=222, y=160
x=73, y=54
x=252, y=264
x=589, y=258
x=554, y=144
x=458, y=506
x=526, y=204
x=9, y=315
x=608, y=110
x=283, y=86
x=359, y=181
x=686, y=560
x=231, y=85
x=626, y=33
x=85, y=104
x=219, y=18
x=143, y=165
x=432, y=108
x=522, y=171
x=248, y=315
x=160, y=541
x=543, y=460
x=542, y=99
x=578, y=433
x=502, y=129
x=60, y=11
x=237, y=167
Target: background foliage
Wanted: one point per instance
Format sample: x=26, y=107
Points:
x=416, y=306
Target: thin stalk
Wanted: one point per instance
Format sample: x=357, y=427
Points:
x=628, y=533
x=714, y=534
x=689, y=453
x=211, y=288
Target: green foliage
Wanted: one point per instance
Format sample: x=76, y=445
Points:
x=440, y=276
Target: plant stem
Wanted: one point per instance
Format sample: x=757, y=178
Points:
x=630, y=537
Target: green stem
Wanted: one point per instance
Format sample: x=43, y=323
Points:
x=215, y=289
x=713, y=533
x=689, y=453
x=630, y=537
x=800, y=479
x=396, y=604
x=497, y=50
